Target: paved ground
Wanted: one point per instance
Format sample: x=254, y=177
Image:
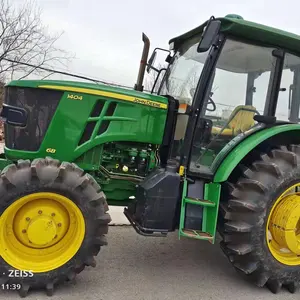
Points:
x=117, y=216
x=133, y=267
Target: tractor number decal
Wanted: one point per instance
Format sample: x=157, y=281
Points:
x=50, y=150
x=74, y=97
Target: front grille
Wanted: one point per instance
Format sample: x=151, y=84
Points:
x=40, y=105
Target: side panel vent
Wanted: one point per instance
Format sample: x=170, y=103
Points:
x=103, y=127
x=105, y=123
x=87, y=132
x=111, y=109
x=97, y=109
x=96, y=114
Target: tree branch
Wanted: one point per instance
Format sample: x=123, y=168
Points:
x=24, y=38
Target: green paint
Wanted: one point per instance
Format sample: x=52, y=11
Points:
x=207, y=157
x=153, y=161
x=182, y=211
x=113, y=157
x=4, y=162
x=210, y=205
x=200, y=202
x=117, y=190
x=86, y=85
x=244, y=147
x=146, y=125
x=212, y=193
x=138, y=124
x=91, y=159
x=204, y=219
x=230, y=145
x=250, y=31
x=198, y=236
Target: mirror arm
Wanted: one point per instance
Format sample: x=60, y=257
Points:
x=153, y=68
x=154, y=84
x=162, y=50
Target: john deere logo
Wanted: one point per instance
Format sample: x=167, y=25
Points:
x=147, y=102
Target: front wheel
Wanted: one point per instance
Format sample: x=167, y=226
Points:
x=53, y=222
x=260, y=220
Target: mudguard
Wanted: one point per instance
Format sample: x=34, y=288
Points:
x=241, y=149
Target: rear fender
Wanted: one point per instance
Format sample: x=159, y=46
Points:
x=282, y=133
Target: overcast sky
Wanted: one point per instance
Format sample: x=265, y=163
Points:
x=106, y=35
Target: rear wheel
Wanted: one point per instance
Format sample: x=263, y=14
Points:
x=53, y=222
x=261, y=220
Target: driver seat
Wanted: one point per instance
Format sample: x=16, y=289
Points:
x=240, y=120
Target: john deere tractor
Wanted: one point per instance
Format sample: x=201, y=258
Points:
x=214, y=148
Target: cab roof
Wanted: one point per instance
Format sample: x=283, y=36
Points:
x=237, y=26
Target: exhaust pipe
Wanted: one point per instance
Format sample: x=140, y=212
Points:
x=139, y=84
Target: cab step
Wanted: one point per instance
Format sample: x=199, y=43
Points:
x=198, y=218
x=200, y=202
x=197, y=234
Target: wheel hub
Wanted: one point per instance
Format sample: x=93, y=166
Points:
x=285, y=224
x=41, y=231
x=41, y=223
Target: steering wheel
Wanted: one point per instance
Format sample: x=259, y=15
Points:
x=211, y=101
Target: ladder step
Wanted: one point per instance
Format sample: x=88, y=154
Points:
x=196, y=234
x=201, y=202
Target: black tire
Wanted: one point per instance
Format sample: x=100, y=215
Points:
x=244, y=215
x=50, y=175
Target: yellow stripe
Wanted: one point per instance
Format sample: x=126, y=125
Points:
x=106, y=94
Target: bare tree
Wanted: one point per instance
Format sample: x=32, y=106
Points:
x=25, y=43
x=151, y=77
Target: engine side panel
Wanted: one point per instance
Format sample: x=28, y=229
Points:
x=83, y=121
x=119, y=167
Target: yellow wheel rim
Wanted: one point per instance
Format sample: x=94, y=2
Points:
x=41, y=232
x=283, y=227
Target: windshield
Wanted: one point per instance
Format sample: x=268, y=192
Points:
x=183, y=75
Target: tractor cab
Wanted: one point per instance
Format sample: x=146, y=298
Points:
x=229, y=81
x=232, y=80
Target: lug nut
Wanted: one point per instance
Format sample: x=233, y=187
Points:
x=53, y=214
x=24, y=230
x=59, y=224
x=40, y=212
x=27, y=219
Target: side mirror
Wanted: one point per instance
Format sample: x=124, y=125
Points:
x=151, y=61
x=15, y=116
x=209, y=35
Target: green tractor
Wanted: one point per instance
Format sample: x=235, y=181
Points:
x=216, y=150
